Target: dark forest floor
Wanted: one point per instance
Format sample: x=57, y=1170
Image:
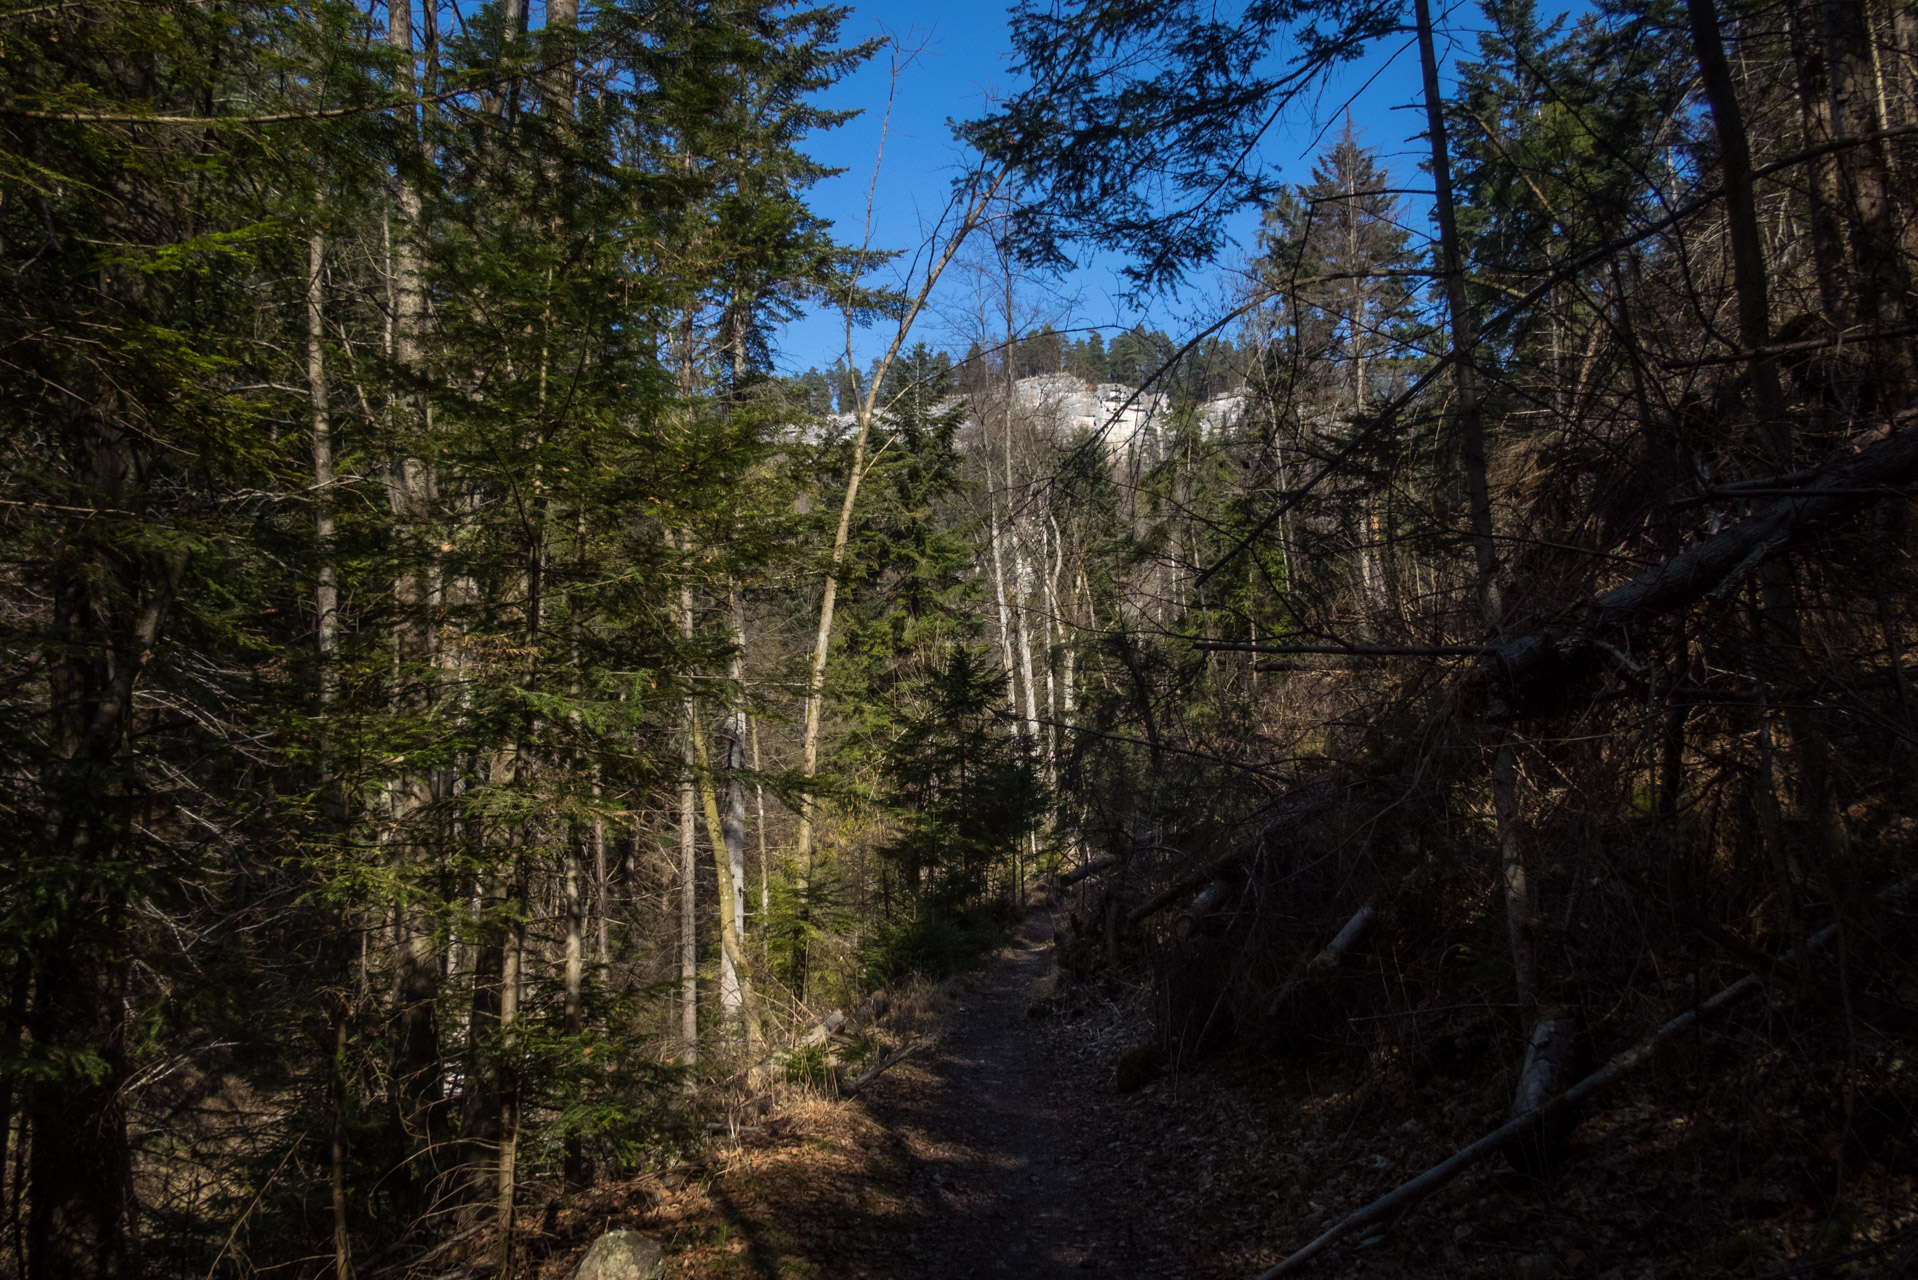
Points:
x=1005, y=1149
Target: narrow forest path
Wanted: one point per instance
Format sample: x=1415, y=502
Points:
x=999, y=1150
x=1006, y=1144
x=1005, y=1149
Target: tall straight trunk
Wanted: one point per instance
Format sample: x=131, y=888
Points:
x=1049, y=581
x=573, y=963
x=1741, y=227
x=561, y=81
x=1017, y=595
x=1519, y=906
x=736, y=733
x=479, y=1130
x=337, y=1148
x=509, y=1002
x=326, y=605
x=22, y=986
x=586, y=839
x=1824, y=193
x=601, y=889
x=1879, y=244
x=727, y=836
x=1020, y=613
x=759, y=790
x=1782, y=652
x=326, y=587
x=1005, y=613
x=688, y=864
x=417, y=1073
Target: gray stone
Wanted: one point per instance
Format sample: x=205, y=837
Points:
x=622, y=1255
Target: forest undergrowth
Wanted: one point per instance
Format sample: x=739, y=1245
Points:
x=1715, y=1163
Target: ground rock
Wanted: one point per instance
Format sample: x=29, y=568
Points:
x=622, y=1255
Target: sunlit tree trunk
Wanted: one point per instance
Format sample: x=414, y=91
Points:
x=1005, y=613
x=688, y=865
x=736, y=734
x=509, y=1002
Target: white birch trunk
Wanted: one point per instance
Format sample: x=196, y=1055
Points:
x=734, y=825
x=759, y=788
x=1025, y=644
x=1049, y=581
x=1005, y=617
x=688, y=866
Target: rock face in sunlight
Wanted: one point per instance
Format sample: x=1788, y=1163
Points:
x=1121, y=412
x=622, y=1255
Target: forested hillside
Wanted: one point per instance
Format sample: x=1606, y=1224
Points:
x=469, y=718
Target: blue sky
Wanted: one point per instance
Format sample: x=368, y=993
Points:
x=964, y=57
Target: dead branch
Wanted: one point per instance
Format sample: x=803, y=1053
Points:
x=893, y=1059
x=1404, y=1196
x=1718, y=564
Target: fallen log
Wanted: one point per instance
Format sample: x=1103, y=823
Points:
x=1548, y=1062
x=1805, y=500
x=1818, y=496
x=1326, y=959
x=1066, y=879
x=1342, y=941
x=1203, y=904
x=1319, y=796
x=1407, y=1194
x=823, y=1030
x=1194, y=879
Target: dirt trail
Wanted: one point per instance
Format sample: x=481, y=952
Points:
x=1005, y=1150
x=991, y=1153
x=1006, y=1145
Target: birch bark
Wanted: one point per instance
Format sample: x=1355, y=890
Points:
x=688, y=865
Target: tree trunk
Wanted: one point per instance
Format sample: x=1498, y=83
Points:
x=765, y=861
x=816, y=674
x=417, y=1072
x=1823, y=191
x=337, y=1151
x=688, y=866
x=509, y=1000
x=1049, y=582
x=573, y=972
x=736, y=995
x=734, y=825
x=1741, y=227
x=1005, y=613
x=326, y=590
x=326, y=602
x=1519, y=909
x=1878, y=249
